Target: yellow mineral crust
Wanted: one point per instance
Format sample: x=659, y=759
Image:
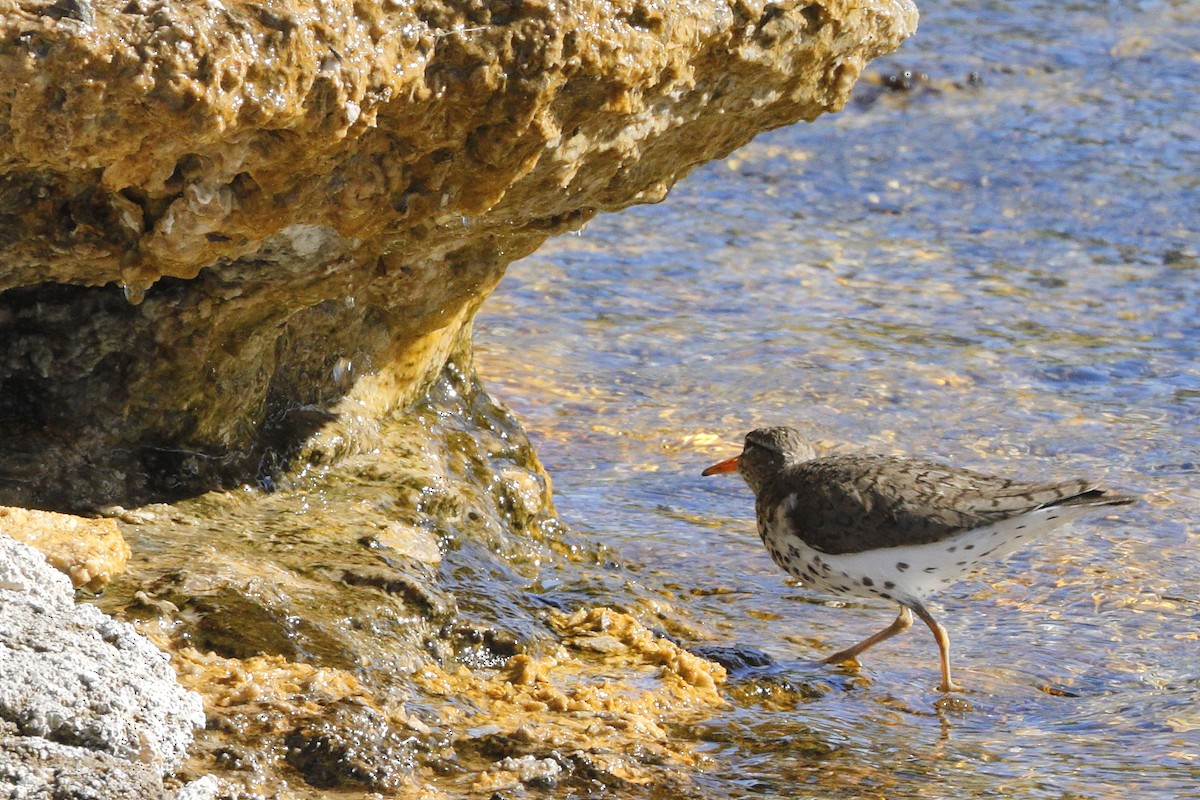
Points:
x=617, y=714
x=253, y=705
x=266, y=686
x=606, y=697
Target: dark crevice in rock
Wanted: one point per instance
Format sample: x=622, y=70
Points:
x=815, y=15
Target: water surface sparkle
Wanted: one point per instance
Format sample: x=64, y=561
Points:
x=1000, y=270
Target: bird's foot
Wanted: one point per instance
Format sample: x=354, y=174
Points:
x=950, y=686
x=955, y=703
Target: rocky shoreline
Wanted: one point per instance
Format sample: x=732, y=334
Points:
x=244, y=245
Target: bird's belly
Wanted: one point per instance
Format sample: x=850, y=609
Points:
x=901, y=574
x=872, y=574
x=905, y=572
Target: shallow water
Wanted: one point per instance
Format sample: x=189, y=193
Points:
x=999, y=267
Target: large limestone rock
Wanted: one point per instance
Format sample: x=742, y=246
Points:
x=86, y=703
x=227, y=226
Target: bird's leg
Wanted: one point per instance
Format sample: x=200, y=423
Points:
x=943, y=642
x=900, y=625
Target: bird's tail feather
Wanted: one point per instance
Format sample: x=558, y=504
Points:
x=1095, y=497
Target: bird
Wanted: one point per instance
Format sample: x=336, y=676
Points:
x=892, y=527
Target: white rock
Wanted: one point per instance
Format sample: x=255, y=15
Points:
x=71, y=675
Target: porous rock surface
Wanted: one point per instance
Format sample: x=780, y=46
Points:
x=227, y=226
x=88, y=707
x=38, y=769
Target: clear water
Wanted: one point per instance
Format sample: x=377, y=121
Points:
x=999, y=268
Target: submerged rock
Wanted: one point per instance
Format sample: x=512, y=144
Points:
x=269, y=715
x=351, y=746
x=227, y=227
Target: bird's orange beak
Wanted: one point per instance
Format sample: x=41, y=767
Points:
x=728, y=465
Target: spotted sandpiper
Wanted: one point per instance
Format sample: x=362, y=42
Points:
x=893, y=528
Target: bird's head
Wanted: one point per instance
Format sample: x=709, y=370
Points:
x=767, y=452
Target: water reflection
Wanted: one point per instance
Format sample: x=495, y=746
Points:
x=998, y=271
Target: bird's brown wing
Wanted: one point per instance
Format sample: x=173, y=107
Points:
x=848, y=503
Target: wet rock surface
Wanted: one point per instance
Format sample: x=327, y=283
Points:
x=380, y=559
x=399, y=625
x=227, y=227
x=594, y=715
x=350, y=746
x=274, y=721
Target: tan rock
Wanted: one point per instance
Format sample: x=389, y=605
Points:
x=229, y=225
x=90, y=551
